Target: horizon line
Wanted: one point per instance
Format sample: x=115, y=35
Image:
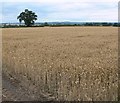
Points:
x=70, y=22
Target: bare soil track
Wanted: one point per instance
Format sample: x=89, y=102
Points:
x=13, y=90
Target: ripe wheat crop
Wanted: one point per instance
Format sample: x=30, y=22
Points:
x=70, y=63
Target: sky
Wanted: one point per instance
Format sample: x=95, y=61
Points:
x=62, y=10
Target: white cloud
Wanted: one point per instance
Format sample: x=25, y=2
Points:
x=83, y=11
x=92, y=15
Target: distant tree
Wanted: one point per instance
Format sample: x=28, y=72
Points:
x=46, y=24
x=28, y=17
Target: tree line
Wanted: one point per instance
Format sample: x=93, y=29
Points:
x=29, y=18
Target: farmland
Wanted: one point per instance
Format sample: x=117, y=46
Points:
x=64, y=63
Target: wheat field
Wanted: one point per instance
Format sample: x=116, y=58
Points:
x=68, y=63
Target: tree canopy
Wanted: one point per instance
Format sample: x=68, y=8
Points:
x=28, y=17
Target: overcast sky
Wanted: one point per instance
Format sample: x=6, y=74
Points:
x=62, y=10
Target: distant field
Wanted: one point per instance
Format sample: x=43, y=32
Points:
x=68, y=63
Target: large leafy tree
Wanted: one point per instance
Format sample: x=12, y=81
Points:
x=28, y=17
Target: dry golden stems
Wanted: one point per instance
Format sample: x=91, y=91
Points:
x=69, y=63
